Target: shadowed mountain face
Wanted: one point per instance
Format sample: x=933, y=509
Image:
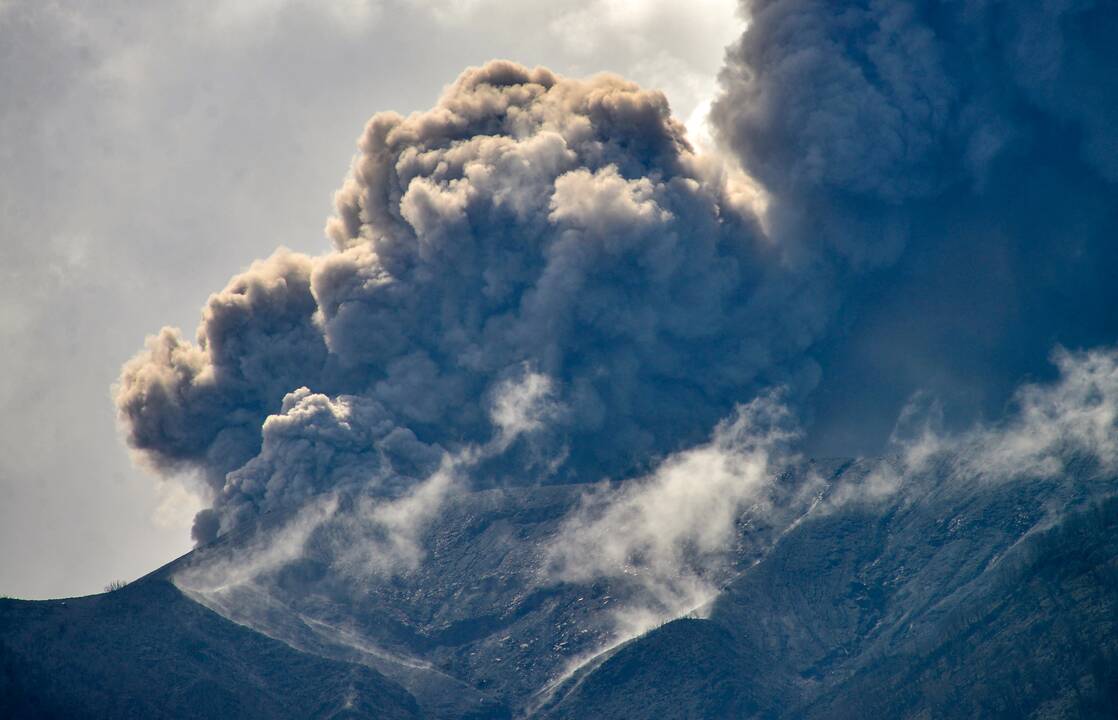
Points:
x=862, y=634
x=950, y=597
x=146, y=651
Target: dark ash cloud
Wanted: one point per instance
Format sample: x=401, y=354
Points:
x=952, y=167
x=939, y=182
x=527, y=222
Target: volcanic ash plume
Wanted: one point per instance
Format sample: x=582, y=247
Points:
x=938, y=184
x=529, y=225
x=953, y=167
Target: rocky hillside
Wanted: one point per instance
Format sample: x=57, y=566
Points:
x=895, y=617
x=949, y=596
x=147, y=651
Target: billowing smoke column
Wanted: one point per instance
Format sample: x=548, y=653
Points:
x=952, y=168
x=868, y=106
x=940, y=181
x=527, y=227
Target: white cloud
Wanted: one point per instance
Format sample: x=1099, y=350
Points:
x=177, y=506
x=348, y=15
x=213, y=576
x=522, y=405
x=670, y=532
x=1072, y=419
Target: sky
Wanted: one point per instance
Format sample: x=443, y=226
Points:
x=149, y=150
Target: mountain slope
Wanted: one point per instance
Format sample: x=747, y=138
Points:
x=479, y=622
x=689, y=668
x=1039, y=639
x=146, y=651
x=861, y=615
x=949, y=597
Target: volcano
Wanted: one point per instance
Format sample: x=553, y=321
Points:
x=951, y=597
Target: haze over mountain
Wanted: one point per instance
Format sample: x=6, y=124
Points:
x=543, y=434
